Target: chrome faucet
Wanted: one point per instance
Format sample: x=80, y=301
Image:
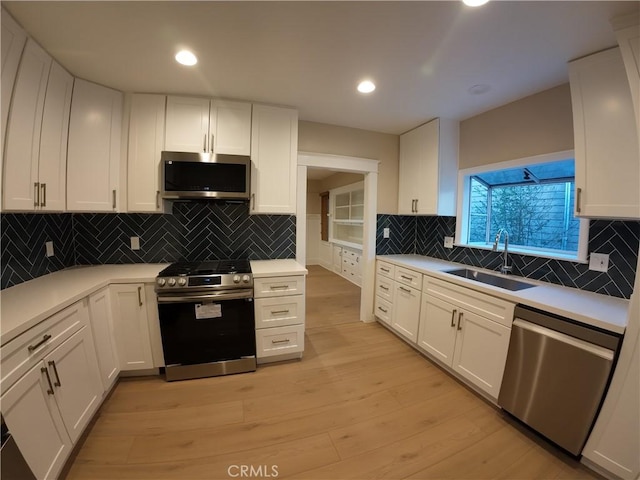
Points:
x=505, y=268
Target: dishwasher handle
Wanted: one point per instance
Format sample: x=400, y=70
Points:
x=564, y=338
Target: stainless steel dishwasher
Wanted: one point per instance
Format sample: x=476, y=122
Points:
x=556, y=375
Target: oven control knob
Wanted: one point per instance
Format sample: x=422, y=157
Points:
x=245, y=279
x=172, y=282
x=182, y=281
x=161, y=282
x=236, y=279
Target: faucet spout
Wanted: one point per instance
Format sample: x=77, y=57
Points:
x=505, y=268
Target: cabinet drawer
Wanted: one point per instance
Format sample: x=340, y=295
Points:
x=386, y=269
x=278, y=286
x=382, y=309
x=409, y=277
x=279, y=311
x=384, y=288
x=24, y=351
x=350, y=255
x=493, y=308
x=279, y=341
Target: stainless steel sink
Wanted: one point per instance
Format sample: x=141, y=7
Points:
x=495, y=280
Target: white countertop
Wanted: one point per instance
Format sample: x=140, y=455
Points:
x=27, y=304
x=276, y=268
x=603, y=311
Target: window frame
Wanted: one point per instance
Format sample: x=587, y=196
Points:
x=462, y=213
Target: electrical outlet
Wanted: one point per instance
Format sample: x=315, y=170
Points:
x=448, y=242
x=386, y=232
x=135, y=243
x=48, y=246
x=599, y=262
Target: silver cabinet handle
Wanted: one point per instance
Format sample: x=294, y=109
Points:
x=417, y=205
x=460, y=321
x=211, y=146
x=406, y=278
x=31, y=348
x=453, y=318
x=578, y=199
x=279, y=312
x=43, y=189
x=253, y=201
x=413, y=203
x=158, y=199
x=383, y=310
x=278, y=287
x=57, y=383
x=46, y=372
x=140, y=296
x=286, y=340
x=113, y=199
x=36, y=194
x=406, y=290
x=384, y=288
x=384, y=269
x=204, y=143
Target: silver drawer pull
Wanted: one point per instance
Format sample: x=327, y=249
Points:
x=278, y=287
x=406, y=290
x=453, y=317
x=278, y=312
x=460, y=321
x=286, y=340
x=406, y=278
x=46, y=372
x=384, y=269
x=384, y=288
x=57, y=383
x=31, y=348
x=383, y=310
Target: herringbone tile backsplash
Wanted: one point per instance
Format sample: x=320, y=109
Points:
x=617, y=238
x=195, y=231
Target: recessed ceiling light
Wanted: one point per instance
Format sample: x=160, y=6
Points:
x=366, y=86
x=474, y=3
x=185, y=57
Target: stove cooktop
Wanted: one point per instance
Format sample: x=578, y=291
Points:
x=209, y=267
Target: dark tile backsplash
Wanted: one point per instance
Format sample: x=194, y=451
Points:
x=617, y=238
x=195, y=231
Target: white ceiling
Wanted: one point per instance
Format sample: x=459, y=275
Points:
x=423, y=56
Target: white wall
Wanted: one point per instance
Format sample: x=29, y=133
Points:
x=313, y=239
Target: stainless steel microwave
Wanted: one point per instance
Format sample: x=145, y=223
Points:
x=205, y=176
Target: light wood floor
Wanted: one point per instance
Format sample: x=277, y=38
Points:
x=360, y=404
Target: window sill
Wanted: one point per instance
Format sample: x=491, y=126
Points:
x=531, y=253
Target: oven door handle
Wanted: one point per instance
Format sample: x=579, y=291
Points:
x=205, y=296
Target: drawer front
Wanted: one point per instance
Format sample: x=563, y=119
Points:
x=383, y=309
x=385, y=269
x=493, y=308
x=278, y=286
x=409, y=277
x=279, y=341
x=384, y=288
x=24, y=351
x=350, y=255
x=279, y=311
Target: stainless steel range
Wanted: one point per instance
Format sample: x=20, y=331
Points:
x=207, y=318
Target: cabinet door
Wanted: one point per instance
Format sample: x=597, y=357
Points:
x=337, y=259
x=408, y=173
x=481, y=351
x=12, y=43
x=146, y=141
x=76, y=382
x=103, y=337
x=35, y=423
x=230, y=127
x=52, y=167
x=437, y=332
x=187, y=125
x=406, y=311
x=606, y=138
x=274, y=150
x=130, y=325
x=93, y=160
x=629, y=41
x=23, y=135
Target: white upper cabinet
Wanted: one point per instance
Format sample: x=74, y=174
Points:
x=628, y=34
x=274, y=150
x=146, y=142
x=94, y=148
x=203, y=125
x=606, y=138
x=428, y=169
x=13, y=40
x=23, y=154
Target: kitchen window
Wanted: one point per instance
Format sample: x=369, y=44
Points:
x=533, y=201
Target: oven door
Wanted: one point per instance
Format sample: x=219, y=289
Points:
x=207, y=328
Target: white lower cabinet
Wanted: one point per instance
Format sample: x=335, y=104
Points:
x=131, y=326
x=280, y=317
x=49, y=406
x=103, y=337
x=406, y=311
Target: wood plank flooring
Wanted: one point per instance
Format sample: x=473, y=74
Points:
x=360, y=404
